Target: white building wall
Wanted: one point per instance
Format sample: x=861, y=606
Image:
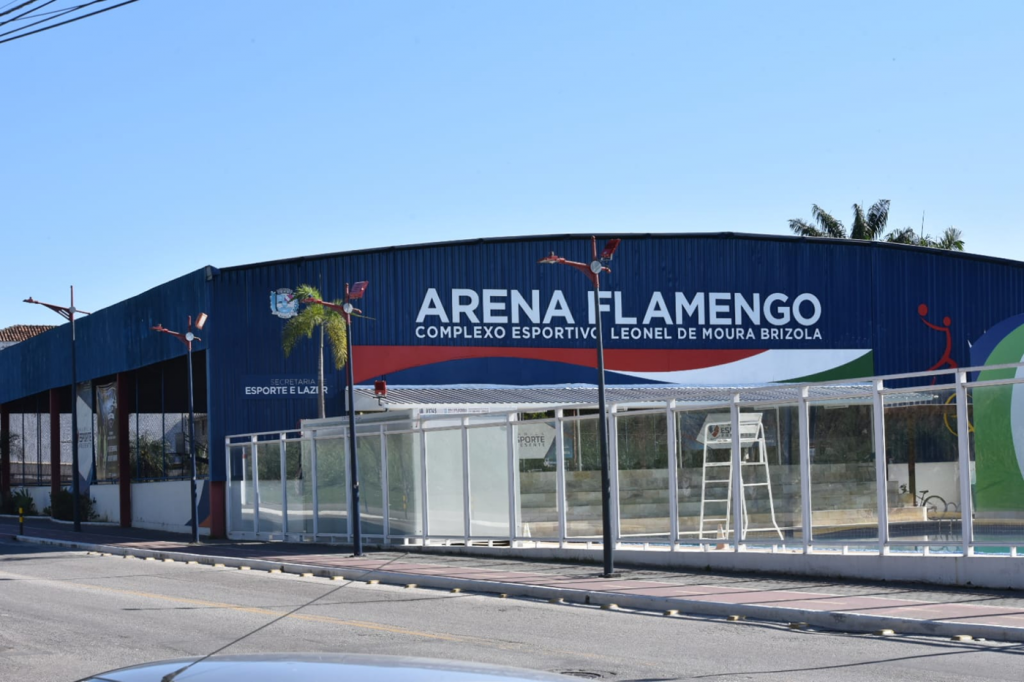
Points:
x=108, y=501
x=165, y=505
x=40, y=494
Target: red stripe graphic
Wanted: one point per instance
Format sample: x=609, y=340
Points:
x=375, y=361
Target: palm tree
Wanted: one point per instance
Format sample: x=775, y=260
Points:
x=827, y=226
x=331, y=325
x=867, y=226
x=870, y=226
x=951, y=240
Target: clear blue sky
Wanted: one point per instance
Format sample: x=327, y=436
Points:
x=152, y=140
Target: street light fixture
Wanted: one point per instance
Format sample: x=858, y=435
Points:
x=347, y=310
x=187, y=338
x=68, y=313
x=593, y=271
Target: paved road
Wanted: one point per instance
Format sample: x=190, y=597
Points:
x=67, y=614
x=845, y=605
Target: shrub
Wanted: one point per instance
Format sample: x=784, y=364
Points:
x=61, y=506
x=20, y=499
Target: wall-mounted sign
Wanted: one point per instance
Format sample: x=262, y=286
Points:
x=287, y=386
x=534, y=441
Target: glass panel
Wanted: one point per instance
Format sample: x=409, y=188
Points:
x=922, y=467
x=488, y=482
x=643, y=475
x=536, y=490
x=297, y=457
x=43, y=453
x=405, y=509
x=268, y=463
x=331, y=486
x=242, y=491
x=843, y=485
x=445, y=514
x=149, y=449
x=583, y=479
x=65, y=449
x=997, y=417
x=704, y=456
x=22, y=449
x=371, y=491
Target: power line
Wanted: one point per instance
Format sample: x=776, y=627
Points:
x=69, y=21
x=58, y=13
x=30, y=12
x=15, y=9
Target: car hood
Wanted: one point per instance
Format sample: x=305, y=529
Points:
x=321, y=668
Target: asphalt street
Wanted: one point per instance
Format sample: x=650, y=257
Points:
x=64, y=615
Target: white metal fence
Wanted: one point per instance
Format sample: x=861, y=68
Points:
x=882, y=465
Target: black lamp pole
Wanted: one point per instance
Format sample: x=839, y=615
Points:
x=187, y=338
x=192, y=447
x=593, y=272
x=68, y=313
x=347, y=310
x=357, y=530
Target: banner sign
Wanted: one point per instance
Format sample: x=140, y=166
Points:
x=534, y=441
x=106, y=438
x=288, y=386
x=694, y=310
x=83, y=404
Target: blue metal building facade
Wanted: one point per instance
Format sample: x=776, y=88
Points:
x=696, y=309
x=112, y=340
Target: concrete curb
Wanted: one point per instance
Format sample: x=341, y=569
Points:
x=826, y=620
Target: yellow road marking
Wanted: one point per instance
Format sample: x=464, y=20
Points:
x=481, y=641
x=250, y=609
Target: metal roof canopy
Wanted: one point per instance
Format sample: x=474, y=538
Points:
x=542, y=398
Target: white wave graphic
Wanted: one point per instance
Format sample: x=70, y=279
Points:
x=764, y=368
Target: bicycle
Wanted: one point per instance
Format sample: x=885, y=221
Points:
x=932, y=503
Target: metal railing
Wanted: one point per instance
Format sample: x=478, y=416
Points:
x=881, y=465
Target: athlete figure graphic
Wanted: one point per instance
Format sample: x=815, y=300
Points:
x=945, y=360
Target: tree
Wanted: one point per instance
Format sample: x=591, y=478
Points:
x=331, y=325
x=951, y=240
x=870, y=226
x=866, y=226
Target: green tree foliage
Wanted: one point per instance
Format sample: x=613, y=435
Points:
x=870, y=225
x=330, y=325
x=156, y=458
x=950, y=240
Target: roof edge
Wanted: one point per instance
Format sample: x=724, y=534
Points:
x=851, y=243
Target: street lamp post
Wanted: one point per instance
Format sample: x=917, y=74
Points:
x=593, y=271
x=187, y=338
x=347, y=309
x=68, y=313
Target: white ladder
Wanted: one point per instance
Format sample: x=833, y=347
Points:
x=716, y=434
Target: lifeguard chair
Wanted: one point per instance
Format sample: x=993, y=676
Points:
x=716, y=487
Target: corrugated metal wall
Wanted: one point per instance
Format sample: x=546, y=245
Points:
x=870, y=295
x=115, y=339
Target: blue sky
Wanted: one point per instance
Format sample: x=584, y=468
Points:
x=163, y=136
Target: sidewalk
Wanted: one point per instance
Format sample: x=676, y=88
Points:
x=846, y=605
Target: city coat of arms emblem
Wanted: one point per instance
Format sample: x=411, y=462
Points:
x=283, y=303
